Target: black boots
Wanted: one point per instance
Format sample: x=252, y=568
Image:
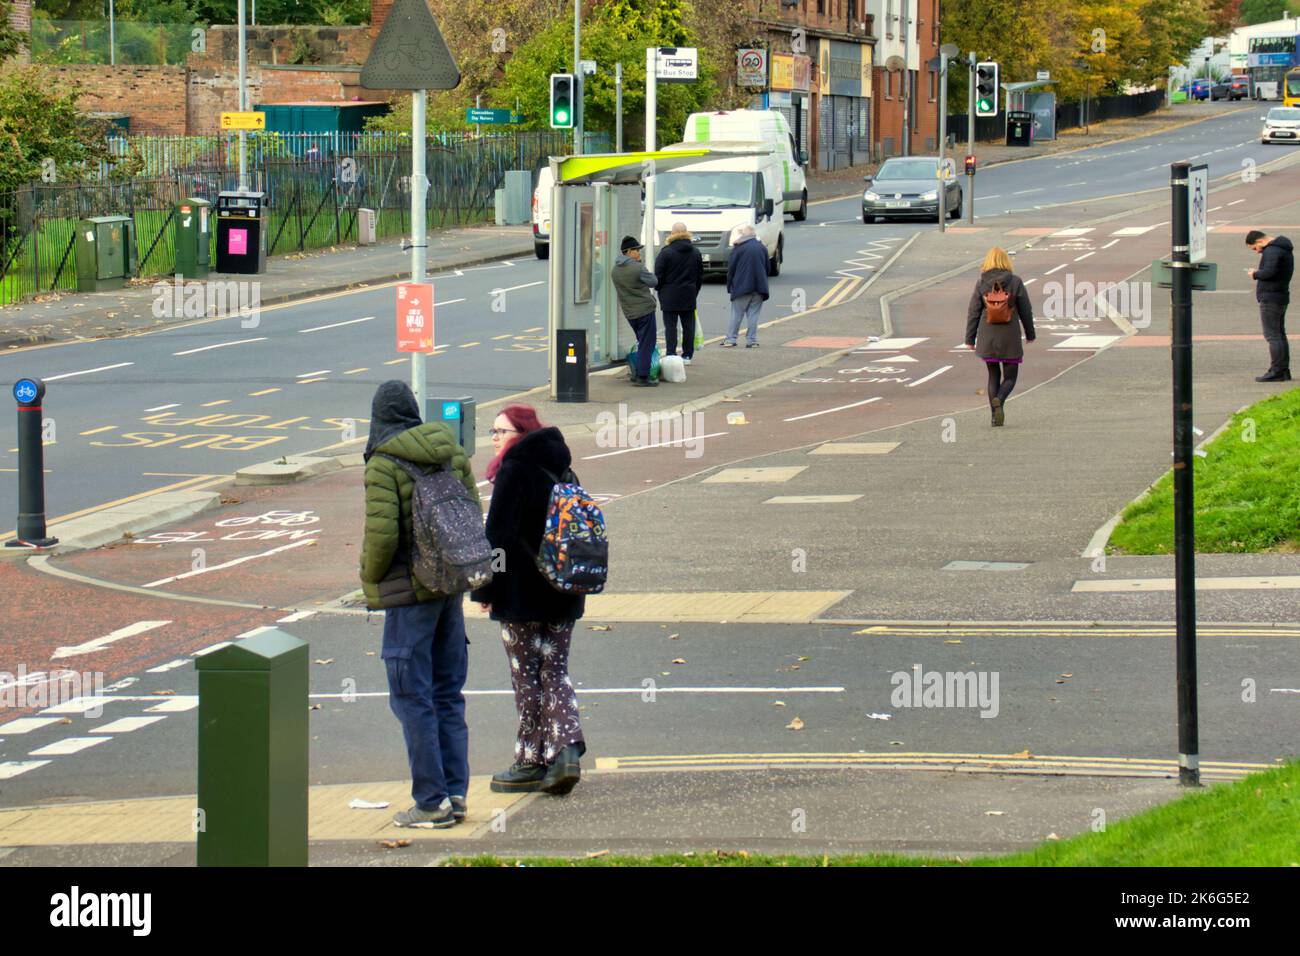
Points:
x=562, y=776
x=520, y=778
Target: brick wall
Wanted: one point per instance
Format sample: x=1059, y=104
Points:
x=20, y=18
x=155, y=96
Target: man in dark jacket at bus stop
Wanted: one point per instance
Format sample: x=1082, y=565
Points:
x=679, y=268
x=1273, y=293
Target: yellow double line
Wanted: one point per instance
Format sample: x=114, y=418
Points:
x=839, y=292
x=970, y=763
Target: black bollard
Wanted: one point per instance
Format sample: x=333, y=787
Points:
x=28, y=393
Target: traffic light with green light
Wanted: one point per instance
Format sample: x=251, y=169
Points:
x=562, y=101
x=986, y=88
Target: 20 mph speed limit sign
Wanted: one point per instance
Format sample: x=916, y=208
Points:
x=1198, y=204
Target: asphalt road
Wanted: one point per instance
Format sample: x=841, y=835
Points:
x=143, y=413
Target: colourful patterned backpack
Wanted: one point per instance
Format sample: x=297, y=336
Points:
x=574, y=553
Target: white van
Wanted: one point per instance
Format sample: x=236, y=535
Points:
x=542, y=212
x=715, y=197
x=764, y=126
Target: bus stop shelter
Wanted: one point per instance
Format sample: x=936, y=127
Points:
x=1020, y=96
x=595, y=202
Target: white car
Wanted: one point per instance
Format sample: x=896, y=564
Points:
x=1281, y=125
x=542, y=212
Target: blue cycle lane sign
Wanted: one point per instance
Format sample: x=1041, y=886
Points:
x=28, y=391
x=1198, y=201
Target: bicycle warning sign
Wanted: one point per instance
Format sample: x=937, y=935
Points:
x=1198, y=202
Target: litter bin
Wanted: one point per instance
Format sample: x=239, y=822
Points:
x=192, y=238
x=105, y=252
x=366, y=227
x=241, y=232
x=571, y=365
x=1020, y=127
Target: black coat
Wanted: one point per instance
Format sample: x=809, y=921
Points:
x=747, y=269
x=679, y=267
x=1276, y=266
x=521, y=495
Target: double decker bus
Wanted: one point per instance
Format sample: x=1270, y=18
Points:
x=1271, y=59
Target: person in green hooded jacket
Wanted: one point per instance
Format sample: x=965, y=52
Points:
x=424, y=645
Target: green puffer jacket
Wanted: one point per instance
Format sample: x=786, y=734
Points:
x=386, y=576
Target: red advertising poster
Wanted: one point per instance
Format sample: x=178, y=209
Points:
x=415, y=317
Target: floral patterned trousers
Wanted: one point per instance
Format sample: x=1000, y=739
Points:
x=544, y=697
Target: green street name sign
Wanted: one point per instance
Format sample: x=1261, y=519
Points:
x=473, y=115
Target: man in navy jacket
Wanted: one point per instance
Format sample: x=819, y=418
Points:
x=747, y=285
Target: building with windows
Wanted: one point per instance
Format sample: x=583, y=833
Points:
x=818, y=61
x=906, y=101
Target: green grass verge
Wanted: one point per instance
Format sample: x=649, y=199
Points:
x=1252, y=822
x=1247, y=489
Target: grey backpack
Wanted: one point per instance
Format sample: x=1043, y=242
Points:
x=450, y=553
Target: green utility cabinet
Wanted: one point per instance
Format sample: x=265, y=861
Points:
x=252, y=784
x=193, y=238
x=106, y=255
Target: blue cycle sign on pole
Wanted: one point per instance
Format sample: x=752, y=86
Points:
x=28, y=391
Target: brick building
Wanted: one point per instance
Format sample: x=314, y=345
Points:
x=20, y=18
x=906, y=30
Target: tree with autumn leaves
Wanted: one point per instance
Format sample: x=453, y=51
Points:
x=1091, y=47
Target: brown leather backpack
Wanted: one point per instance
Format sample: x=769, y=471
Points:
x=997, y=303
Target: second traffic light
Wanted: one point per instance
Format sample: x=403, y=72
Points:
x=986, y=88
x=562, y=100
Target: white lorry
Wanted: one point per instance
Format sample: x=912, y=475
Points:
x=761, y=126
x=715, y=197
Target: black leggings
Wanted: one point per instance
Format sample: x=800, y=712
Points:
x=1002, y=379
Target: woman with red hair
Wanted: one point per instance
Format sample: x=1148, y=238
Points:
x=536, y=619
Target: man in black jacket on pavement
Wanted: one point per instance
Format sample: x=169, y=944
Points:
x=679, y=268
x=1273, y=293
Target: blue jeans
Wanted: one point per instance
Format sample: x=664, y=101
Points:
x=745, y=307
x=426, y=656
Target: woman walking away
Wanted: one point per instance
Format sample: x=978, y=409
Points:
x=424, y=649
x=536, y=619
x=999, y=299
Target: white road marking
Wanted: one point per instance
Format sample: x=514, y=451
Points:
x=1109, y=244
x=662, y=444
x=1084, y=256
x=978, y=198
x=890, y=345
x=1021, y=192
x=448, y=302
x=1235, y=201
x=126, y=725
x=12, y=768
x=169, y=666
x=102, y=368
x=78, y=705
x=174, y=705
x=70, y=745
x=24, y=725
x=1086, y=341
x=934, y=374
x=620, y=690
x=163, y=408
x=323, y=371
x=335, y=325
x=513, y=288
x=99, y=643
x=1133, y=231
x=296, y=616
x=811, y=499
x=838, y=408
x=212, y=647
x=1079, y=231
x=229, y=564
x=1056, y=269
x=254, y=632
x=219, y=345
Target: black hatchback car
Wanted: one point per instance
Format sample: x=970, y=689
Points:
x=1233, y=88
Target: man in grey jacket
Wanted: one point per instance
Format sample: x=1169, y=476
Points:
x=633, y=281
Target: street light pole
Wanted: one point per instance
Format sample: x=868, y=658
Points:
x=970, y=135
x=618, y=107
x=577, y=78
x=907, y=80
x=419, y=233
x=112, y=35
x=243, y=99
